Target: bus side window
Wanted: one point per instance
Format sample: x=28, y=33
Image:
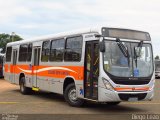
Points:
x=57, y=49
x=29, y=55
x=23, y=52
x=45, y=51
x=73, y=49
x=8, y=54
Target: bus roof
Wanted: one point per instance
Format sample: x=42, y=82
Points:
x=66, y=34
x=63, y=34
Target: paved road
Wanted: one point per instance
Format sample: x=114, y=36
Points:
x=12, y=101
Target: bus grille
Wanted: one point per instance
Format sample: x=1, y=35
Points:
x=125, y=97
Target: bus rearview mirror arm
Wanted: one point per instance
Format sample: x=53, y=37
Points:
x=102, y=46
x=101, y=43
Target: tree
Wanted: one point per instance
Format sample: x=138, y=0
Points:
x=6, y=38
x=157, y=57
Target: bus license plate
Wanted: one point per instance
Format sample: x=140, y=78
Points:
x=132, y=99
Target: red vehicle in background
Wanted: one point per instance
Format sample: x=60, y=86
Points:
x=1, y=65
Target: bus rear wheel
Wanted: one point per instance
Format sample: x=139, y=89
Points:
x=71, y=97
x=23, y=89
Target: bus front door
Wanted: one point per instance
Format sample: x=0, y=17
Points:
x=35, y=66
x=91, y=70
x=14, y=66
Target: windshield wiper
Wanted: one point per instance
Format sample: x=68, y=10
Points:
x=123, y=49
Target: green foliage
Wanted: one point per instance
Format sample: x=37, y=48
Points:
x=6, y=38
x=157, y=57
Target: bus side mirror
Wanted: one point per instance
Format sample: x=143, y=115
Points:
x=102, y=46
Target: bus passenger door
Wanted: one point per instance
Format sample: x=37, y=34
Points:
x=91, y=70
x=14, y=66
x=35, y=65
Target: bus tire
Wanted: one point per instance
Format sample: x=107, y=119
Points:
x=113, y=103
x=70, y=96
x=23, y=89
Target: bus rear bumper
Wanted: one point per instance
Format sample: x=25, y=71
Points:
x=114, y=96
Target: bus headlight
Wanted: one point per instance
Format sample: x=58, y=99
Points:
x=151, y=86
x=107, y=84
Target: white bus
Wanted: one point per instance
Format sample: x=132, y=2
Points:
x=103, y=65
x=157, y=68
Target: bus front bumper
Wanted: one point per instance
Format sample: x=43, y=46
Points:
x=114, y=96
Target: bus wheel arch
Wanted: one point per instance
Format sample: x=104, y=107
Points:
x=20, y=76
x=67, y=81
x=69, y=92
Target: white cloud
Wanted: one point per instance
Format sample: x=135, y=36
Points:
x=31, y=18
x=29, y=26
x=53, y=5
x=9, y=9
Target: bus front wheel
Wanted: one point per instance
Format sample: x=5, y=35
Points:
x=71, y=97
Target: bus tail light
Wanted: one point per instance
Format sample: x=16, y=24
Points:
x=107, y=84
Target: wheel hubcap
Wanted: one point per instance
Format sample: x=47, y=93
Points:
x=22, y=87
x=72, y=95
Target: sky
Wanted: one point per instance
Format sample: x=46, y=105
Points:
x=30, y=18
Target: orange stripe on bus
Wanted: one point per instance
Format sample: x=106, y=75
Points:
x=132, y=89
x=48, y=71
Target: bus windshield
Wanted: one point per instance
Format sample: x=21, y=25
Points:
x=116, y=64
